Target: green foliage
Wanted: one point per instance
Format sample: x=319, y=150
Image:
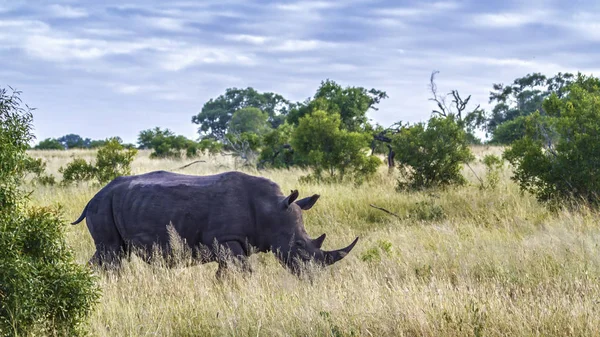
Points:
x=112, y=160
x=427, y=210
x=165, y=144
x=216, y=113
x=277, y=151
x=77, y=170
x=374, y=253
x=332, y=152
x=244, y=145
x=94, y=144
x=49, y=144
x=509, y=131
x=350, y=103
x=559, y=156
x=70, y=141
x=210, y=146
x=42, y=290
x=38, y=167
x=73, y=141
x=431, y=155
x=493, y=166
x=522, y=98
x=249, y=120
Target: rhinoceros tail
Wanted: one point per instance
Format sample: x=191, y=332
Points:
x=82, y=216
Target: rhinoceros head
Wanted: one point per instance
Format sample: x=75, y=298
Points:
x=295, y=246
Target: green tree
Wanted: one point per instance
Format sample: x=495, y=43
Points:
x=351, y=103
x=559, y=156
x=277, y=151
x=165, y=144
x=42, y=290
x=73, y=141
x=250, y=120
x=509, y=131
x=112, y=160
x=522, y=98
x=431, y=155
x=216, y=113
x=333, y=152
x=94, y=144
x=49, y=144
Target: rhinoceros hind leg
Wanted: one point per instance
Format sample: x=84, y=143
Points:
x=233, y=253
x=107, y=257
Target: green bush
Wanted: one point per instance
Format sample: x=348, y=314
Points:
x=431, y=155
x=42, y=290
x=559, y=157
x=333, y=153
x=112, y=160
x=49, y=144
x=165, y=144
x=509, y=131
x=493, y=166
x=210, y=146
x=276, y=151
x=77, y=170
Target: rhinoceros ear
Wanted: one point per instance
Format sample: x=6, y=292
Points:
x=308, y=202
x=290, y=198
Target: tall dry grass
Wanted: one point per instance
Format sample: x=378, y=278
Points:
x=461, y=262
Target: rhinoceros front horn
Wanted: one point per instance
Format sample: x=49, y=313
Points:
x=334, y=256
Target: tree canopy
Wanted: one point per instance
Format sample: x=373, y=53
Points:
x=216, y=113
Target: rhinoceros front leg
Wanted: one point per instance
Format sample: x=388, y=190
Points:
x=232, y=252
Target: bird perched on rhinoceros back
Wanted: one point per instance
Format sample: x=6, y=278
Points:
x=233, y=209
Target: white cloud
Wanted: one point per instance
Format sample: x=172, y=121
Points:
x=303, y=6
x=247, y=38
x=300, y=45
x=188, y=57
x=61, y=49
x=169, y=24
x=67, y=12
x=513, y=19
x=419, y=11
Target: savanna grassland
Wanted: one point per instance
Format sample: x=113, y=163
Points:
x=461, y=262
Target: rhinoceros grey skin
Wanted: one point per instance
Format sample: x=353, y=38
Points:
x=234, y=209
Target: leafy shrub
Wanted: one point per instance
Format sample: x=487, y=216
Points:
x=77, y=170
x=374, y=253
x=332, y=152
x=277, y=151
x=558, y=159
x=509, y=131
x=38, y=167
x=427, y=211
x=112, y=160
x=49, y=144
x=431, y=155
x=210, y=146
x=493, y=166
x=165, y=144
x=46, y=180
x=42, y=290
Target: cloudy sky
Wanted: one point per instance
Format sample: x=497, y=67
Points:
x=114, y=68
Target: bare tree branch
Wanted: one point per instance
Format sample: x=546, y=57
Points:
x=190, y=164
x=385, y=210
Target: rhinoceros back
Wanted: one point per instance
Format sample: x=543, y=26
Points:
x=200, y=208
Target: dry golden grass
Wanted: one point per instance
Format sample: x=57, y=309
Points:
x=462, y=262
